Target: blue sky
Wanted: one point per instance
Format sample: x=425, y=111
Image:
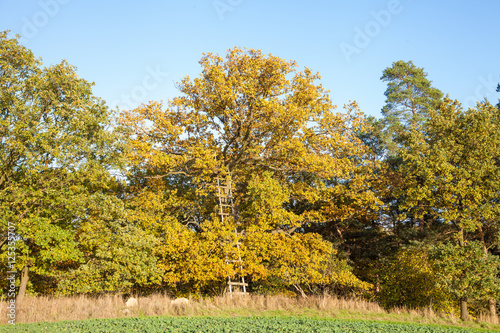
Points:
x=135, y=51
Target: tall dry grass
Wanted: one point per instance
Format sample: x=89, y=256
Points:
x=36, y=309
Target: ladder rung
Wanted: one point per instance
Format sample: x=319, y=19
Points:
x=234, y=261
x=228, y=241
x=237, y=284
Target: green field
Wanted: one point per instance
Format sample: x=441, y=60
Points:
x=237, y=324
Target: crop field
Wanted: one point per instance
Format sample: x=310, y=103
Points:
x=237, y=324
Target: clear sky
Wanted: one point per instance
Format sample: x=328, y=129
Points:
x=135, y=51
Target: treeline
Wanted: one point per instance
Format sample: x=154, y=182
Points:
x=402, y=209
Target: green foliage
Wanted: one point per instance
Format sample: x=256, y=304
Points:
x=239, y=324
x=467, y=271
x=118, y=254
x=411, y=279
x=55, y=154
x=409, y=94
x=498, y=90
x=451, y=170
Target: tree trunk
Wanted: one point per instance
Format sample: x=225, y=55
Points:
x=481, y=236
x=493, y=310
x=462, y=237
x=24, y=283
x=491, y=302
x=463, y=301
x=299, y=289
x=463, y=309
x=3, y=241
x=421, y=221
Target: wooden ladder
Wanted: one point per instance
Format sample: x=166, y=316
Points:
x=226, y=208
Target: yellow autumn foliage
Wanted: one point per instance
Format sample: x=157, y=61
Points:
x=278, y=134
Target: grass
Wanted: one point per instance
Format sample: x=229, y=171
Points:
x=48, y=309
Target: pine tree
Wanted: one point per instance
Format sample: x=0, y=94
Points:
x=410, y=95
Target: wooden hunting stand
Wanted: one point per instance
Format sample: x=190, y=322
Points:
x=226, y=209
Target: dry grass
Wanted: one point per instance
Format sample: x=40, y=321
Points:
x=35, y=309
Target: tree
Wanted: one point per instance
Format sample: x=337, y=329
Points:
x=498, y=90
x=55, y=151
x=248, y=114
x=466, y=272
x=379, y=233
x=245, y=113
x=439, y=275
x=452, y=168
x=410, y=98
x=442, y=162
x=410, y=95
x=117, y=255
x=411, y=279
x=296, y=259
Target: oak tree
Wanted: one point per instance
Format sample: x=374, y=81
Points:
x=249, y=114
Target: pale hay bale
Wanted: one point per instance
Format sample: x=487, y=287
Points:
x=131, y=302
x=180, y=302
